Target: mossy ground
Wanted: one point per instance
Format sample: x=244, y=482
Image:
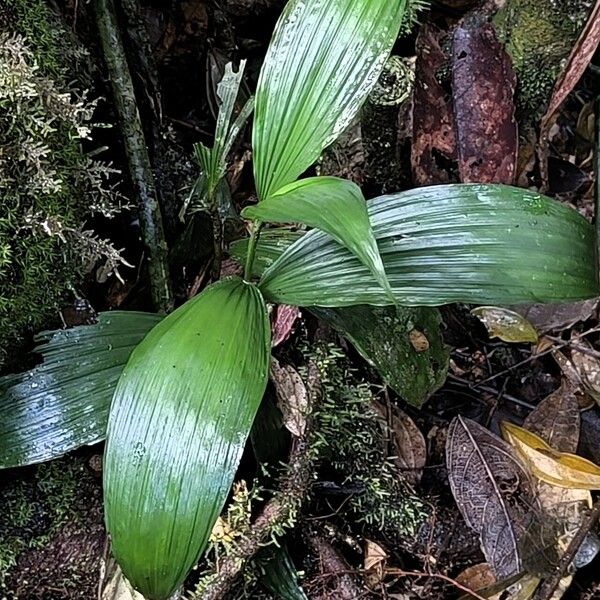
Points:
x=539, y=36
x=51, y=532
x=47, y=183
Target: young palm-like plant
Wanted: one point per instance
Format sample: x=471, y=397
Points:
x=186, y=400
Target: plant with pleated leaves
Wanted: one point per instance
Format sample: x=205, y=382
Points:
x=186, y=399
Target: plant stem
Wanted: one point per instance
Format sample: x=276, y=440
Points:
x=217, y=228
x=597, y=173
x=546, y=590
x=252, y=249
x=140, y=168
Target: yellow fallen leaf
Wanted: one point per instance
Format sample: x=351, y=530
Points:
x=506, y=324
x=557, y=468
x=221, y=531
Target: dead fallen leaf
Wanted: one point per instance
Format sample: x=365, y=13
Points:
x=483, y=84
x=505, y=324
x=433, y=141
x=581, y=55
x=588, y=369
x=114, y=586
x=546, y=317
x=418, y=340
x=283, y=319
x=556, y=419
x=478, y=577
x=410, y=449
x=374, y=563
x=561, y=469
x=292, y=397
x=493, y=492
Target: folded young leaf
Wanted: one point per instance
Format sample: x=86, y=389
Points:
x=63, y=403
x=336, y=206
x=474, y=243
x=178, y=424
x=324, y=58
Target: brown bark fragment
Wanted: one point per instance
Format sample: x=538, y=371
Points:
x=483, y=84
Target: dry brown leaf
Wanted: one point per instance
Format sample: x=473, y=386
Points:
x=410, y=449
x=493, y=492
x=556, y=419
x=418, y=340
x=568, y=368
x=374, y=563
x=546, y=317
x=506, y=324
x=478, y=577
x=588, y=369
x=561, y=469
x=292, y=397
x=483, y=85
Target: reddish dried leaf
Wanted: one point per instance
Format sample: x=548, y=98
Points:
x=478, y=577
x=283, y=319
x=433, y=124
x=483, y=84
x=409, y=446
x=292, y=397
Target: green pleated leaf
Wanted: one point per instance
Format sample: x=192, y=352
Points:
x=180, y=417
x=63, y=403
x=336, y=206
x=404, y=344
x=324, y=58
x=483, y=244
x=279, y=575
x=272, y=244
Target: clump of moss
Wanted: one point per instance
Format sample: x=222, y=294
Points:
x=51, y=532
x=48, y=185
x=539, y=36
x=352, y=443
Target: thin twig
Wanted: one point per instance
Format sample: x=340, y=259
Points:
x=456, y=584
x=546, y=590
x=502, y=395
x=597, y=174
x=140, y=169
x=536, y=356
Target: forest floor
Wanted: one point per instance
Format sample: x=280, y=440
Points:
x=386, y=495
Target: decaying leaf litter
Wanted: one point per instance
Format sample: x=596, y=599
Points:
x=399, y=451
